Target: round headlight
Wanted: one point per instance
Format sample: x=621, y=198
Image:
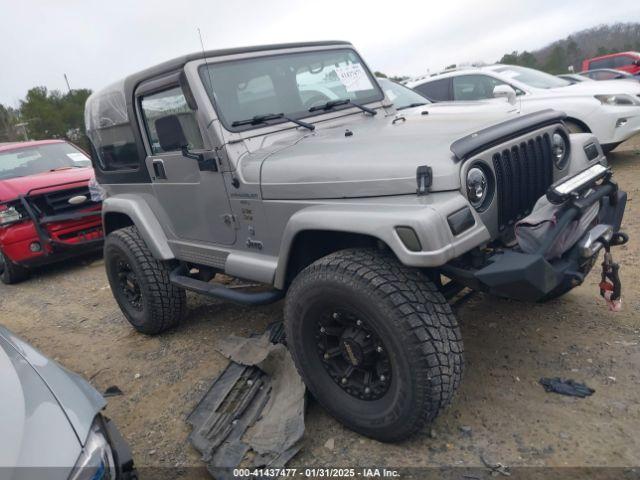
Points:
x=560, y=150
x=477, y=187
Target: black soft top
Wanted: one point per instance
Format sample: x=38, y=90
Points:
x=109, y=113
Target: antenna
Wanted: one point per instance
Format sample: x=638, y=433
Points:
x=67, y=81
x=204, y=57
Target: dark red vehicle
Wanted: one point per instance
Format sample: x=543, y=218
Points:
x=624, y=61
x=46, y=209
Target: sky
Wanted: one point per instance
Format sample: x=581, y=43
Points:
x=97, y=42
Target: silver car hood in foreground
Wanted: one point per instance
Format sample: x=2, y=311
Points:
x=378, y=157
x=45, y=411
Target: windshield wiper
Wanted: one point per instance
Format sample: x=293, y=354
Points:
x=336, y=103
x=411, y=105
x=259, y=119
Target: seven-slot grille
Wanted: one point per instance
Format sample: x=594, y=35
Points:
x=523, y=174
x=57, y=202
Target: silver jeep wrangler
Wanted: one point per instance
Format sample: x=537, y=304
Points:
x=286, y=165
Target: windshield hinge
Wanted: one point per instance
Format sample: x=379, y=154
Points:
x=424, y=178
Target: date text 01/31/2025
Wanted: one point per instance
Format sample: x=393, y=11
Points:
x=316, y=472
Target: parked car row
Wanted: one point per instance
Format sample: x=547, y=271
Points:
x=608, y=109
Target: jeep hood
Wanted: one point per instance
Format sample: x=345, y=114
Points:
x=377, y=158
x=41, y=405
x=11, y=188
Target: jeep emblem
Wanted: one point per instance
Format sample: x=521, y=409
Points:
x=77, y=200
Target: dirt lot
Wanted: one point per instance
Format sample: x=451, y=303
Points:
x=501, y=412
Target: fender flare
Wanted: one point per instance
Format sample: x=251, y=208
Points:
x=438, y=244
x=134, y=207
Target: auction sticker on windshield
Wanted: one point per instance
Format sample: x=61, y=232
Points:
x=354, y=78
x=77, y=157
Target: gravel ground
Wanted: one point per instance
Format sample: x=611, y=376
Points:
x=500, y=413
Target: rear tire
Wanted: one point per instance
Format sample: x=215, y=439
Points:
x=11, y=273
x=140, y=283
x=416, y=339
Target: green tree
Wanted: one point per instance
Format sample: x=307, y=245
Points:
x=51, y=114
x=557, y=61
x=574, y=54
x=527, y=59
x=510, y=58
x=8, y=120
x=379, y=74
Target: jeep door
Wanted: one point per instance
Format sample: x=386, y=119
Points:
x=190, y=191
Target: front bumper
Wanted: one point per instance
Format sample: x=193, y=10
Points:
x=55, y=237
x=531, y=277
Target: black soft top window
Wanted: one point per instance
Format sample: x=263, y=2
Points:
x=110, y=131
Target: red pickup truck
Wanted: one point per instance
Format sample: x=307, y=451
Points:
x=625, y=61
x=47, y=212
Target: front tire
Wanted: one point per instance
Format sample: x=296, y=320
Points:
x=11, y=273
x=374, y=341
x=140, y=283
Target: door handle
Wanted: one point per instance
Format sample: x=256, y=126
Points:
x=158, y=169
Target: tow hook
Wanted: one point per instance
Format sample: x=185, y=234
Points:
x=610, y=285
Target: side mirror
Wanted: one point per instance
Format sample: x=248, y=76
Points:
x=506, y=92
x=170, y=134
x=637, y=62
x=172, y=138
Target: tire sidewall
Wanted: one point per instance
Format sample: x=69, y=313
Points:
x=10, y=273
x=114, y=249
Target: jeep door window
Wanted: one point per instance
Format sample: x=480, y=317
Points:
x=286, y=85
x=437, y=90
x=27, y=161
x=531, y=77
x=170, y=102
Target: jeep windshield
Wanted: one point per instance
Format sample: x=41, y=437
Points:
x=26, y=161
x=289, y=85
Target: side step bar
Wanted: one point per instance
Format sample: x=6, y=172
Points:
x=178, y=278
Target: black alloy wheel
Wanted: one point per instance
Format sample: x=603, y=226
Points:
x=353, y=354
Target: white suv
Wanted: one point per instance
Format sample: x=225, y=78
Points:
x=608, y=109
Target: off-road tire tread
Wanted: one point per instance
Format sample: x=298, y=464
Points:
x=422, y=317
x=168, y=303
